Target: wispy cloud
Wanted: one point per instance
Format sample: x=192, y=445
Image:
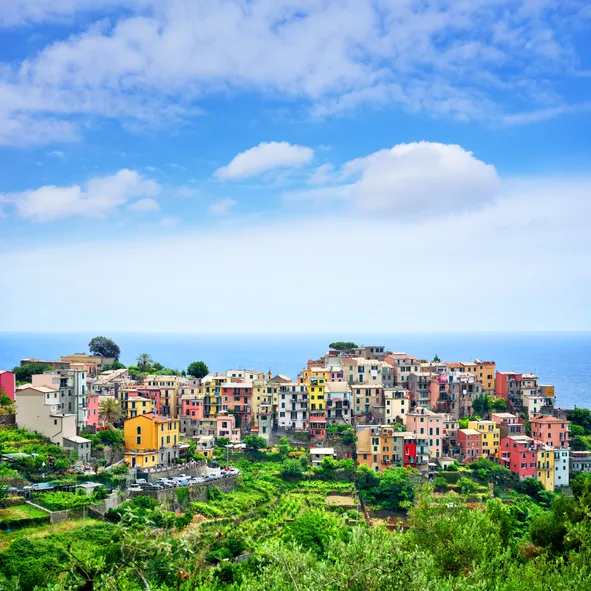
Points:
x=98, y=198
x=153, y=62
x=265, y=157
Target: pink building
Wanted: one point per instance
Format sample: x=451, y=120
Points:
x=92, y=405
x=317, y=425
x=337, y=374
x=518, y=454
x=226, y=427
x=470, y=443
x=237, y=398
x=192, y=406
x=7, y=383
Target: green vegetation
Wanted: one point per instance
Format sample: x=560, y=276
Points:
x=104, y=347
x=106, y=437
x=110, y=411
x=580, y=429
x=197, y=369
x=283, y=529
x=342, y=346
x=112, y=366
x=62, y=501
x=23, y=373
x=18, y=516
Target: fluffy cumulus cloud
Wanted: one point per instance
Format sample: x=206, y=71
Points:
x=422, y=179
x=155, y=59
x=97, y=199
x=222, y=206
x=264, y=157
x=415, y=180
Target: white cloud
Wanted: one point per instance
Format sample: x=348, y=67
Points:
x=146, y=205
x=56, y=153
x=413, y=180
x=264, y=157
x=538, y=228
x=96, y=199
x=322, y=175
x=222, y=206
x=152, y=62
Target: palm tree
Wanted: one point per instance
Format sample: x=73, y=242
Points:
x=110, y=411
x=144, y=362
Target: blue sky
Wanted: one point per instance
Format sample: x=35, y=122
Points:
x=286, y=161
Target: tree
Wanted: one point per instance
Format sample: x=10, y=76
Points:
x=104, y=347
x=342, y=346
x=481, y=405
x=23, y=373
x=530, y=487
x=467, y=485
x=198, y=369
x=581, y=417
x=254, y=442
x=498, y=404
x=144, y=362
x=110, y=411
x=436, y=359
x=5, y=400
x=291, y=468
x=113, y=366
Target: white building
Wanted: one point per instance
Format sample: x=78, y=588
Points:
x=561, y=467
x=338, y=403
x=38, y=408
x=292, y=406
x=73, y=394
x=317, y=454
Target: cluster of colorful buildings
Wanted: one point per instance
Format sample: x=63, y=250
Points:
x=406, y=411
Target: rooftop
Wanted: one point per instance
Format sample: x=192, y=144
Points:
x=328, y=451
x=469, y=431
x=77, y=439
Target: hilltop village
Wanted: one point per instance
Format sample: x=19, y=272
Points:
x=370, y=469
x=399, y=411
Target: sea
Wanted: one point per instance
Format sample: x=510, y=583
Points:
x=558, y=358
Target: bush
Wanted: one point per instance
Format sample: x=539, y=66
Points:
x=440, y=484
x=467, y=485
x=292, y=469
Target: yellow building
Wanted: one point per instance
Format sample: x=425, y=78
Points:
x=491, y=437
x=546, y=467
x=136, y=405
x=151, y=440
x=485, y=375
x=263, y=392
x=315, y=379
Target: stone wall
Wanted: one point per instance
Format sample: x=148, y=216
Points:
x=7, y=420
x=112, y=455
x=111, y=502
x=172, y=500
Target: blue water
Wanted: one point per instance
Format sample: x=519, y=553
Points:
x=561, y=359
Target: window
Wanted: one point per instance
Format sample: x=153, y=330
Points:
x=139, y=430
x=138, y=440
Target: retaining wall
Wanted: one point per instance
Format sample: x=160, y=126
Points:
x=172, y=499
